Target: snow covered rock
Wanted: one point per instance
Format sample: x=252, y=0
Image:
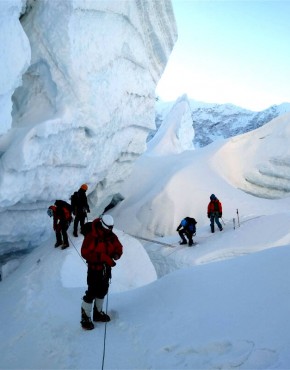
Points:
x=216, y=121
x=86, y=104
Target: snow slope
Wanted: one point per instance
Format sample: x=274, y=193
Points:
x=229, y=314
x=223, y=303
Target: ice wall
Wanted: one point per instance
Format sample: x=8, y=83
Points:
x=85, y=105
x=15, y=57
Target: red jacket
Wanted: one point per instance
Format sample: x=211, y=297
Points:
x=101, y=246
x=214, y=206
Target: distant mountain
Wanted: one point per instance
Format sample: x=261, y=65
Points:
x=215, y=121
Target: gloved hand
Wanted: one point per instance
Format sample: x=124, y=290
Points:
x=108, y=260
x=113, y=263
x=116, y=257
x=220, y=215
x=208, y=215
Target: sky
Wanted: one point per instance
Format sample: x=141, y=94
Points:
x=230, y=52
x=221, y=304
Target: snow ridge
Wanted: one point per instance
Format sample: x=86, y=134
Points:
x=216, y=121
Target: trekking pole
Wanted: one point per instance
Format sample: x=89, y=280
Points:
x=238, y=217
x=223, y=221
x=234, y=223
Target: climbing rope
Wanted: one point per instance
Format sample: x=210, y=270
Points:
x=153, y=241
x=71, y=242
x=105, y=332
x=107, y=303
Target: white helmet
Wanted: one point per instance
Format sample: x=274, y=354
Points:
x=107, y=221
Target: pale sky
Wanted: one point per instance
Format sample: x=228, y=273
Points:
x=230, y=52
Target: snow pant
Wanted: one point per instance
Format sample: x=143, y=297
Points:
x=214, y=218
x=79, y=218
x=98, y=284
x=61, y=233
x=182, y=233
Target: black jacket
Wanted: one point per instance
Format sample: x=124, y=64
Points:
x=81, y=202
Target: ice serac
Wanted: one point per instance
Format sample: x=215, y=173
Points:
x=85, y=107
x=15, y=57
x=157, y=170
x=176, y=133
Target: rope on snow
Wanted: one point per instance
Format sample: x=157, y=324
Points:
x=107, y=300
x=71, y=242
x=153, y=241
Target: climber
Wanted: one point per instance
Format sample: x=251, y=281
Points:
x=187, y=228
x=100, y=248
x=214, y=212
x=80, y=207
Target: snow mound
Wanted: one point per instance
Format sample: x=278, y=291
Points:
x=258, y=161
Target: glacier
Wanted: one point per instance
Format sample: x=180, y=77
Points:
x=77, y=94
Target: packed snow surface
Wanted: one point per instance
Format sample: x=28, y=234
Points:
x=223, y=303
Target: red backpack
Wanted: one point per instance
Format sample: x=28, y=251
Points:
x=66, y=208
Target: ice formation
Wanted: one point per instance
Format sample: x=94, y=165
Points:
x=83, y=102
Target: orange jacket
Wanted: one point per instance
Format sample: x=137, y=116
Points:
x=101, y=246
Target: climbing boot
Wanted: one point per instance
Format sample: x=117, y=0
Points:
x=86, y=321
x=183, y=242
x=98, y=314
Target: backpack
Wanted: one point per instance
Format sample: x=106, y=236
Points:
x=66, y=208
x=216, y=205
x=74, y=200
x=191, y=224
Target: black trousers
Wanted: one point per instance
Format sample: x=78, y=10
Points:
x=79, y=218
x=98, y=284
x=182, y=233
x=61, y=233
